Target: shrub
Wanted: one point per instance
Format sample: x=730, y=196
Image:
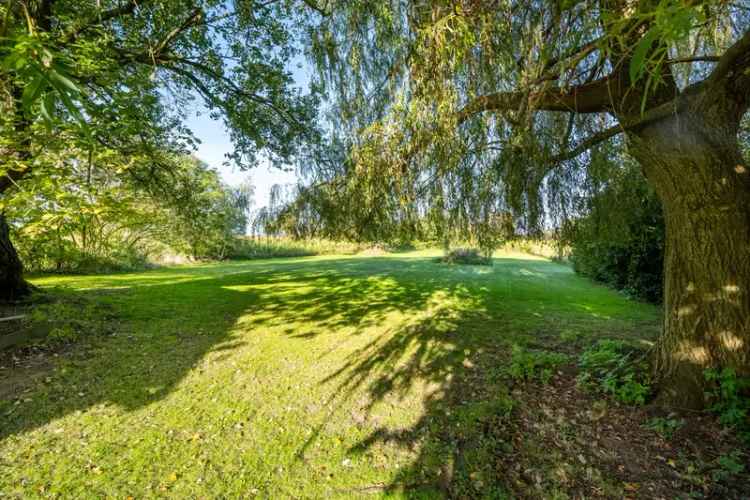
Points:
x=620, y=240
x=728, y=466
x=615, y=368
x=467, y=256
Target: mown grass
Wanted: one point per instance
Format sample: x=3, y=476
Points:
x=317, y=377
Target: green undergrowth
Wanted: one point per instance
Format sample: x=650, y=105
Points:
x=263, y=247
x=618, y=369
x=528, y=364
x=729, y=399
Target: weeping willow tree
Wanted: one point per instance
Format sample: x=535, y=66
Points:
x=506, y=104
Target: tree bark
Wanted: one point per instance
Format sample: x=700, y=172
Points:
x=12, y=284
x=694, y=162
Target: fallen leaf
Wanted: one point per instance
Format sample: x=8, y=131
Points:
x=632, y=486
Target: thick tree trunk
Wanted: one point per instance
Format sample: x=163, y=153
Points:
x=695, y=165
x=12, y=284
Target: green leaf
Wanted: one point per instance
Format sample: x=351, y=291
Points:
x=638, y=61
x=32, y=91
x=48, y=105
x=58, y=77
x=73, y=109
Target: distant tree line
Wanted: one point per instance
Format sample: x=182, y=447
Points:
x=88, y=212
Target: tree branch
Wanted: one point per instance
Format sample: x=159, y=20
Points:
x=588, y=143
x=313, y=4
x=170, y=65
x=193, y=19
x=693, y=59
x=108, y=15
x=576, y=54
x=734, y=62
x=594, y=97
x=11, y=178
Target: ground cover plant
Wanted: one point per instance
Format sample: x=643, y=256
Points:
x=344, y=377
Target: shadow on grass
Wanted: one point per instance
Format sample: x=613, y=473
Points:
x=456, y=357
x=196, y=314
x=453, y=345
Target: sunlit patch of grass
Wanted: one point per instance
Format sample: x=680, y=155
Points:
x=331, y=376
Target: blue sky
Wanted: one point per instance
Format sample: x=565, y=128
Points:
x=215, y=143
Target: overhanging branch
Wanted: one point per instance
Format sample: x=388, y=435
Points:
x=594, y=97
x=588, y=143
x=192, y=20
x=171, y=62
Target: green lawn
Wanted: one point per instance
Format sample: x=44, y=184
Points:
x=315, y=377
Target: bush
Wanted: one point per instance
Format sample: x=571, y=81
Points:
x=39, y=255
x=636, y=269
x=468, y=256
x=107, y=222
x=615, y=368
x=620, y=240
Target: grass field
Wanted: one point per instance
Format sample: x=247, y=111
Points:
x=313, y=377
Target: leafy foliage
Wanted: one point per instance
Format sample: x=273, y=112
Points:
x=620, y=239
x=665, y=426
x=409, y=80
x=271, y=247
x=615, y=368
x=96, y=78
x=730, y=465
x=729, y=396
x=526, y=364
x=128, y=71
x=95, y=214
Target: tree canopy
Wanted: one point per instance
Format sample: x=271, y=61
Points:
x=519, y=97
x=124, y=75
